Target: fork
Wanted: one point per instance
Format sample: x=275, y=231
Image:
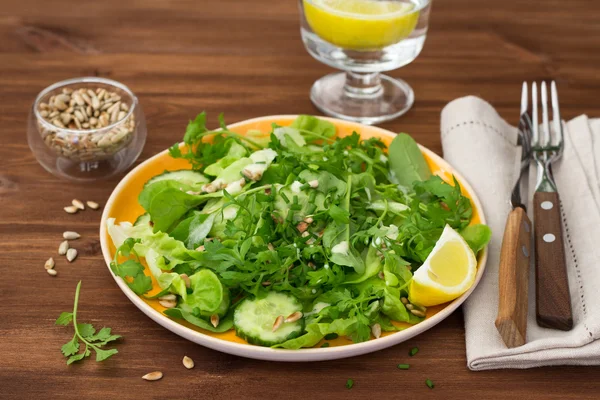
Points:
x=553, y=301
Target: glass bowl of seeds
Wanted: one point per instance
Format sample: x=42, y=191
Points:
x=85, y=129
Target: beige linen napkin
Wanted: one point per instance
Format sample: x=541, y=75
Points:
x=482, y=147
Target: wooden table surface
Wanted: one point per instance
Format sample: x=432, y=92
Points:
x=245, y=58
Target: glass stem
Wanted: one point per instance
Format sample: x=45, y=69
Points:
x=363, y=85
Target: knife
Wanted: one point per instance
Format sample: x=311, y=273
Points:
x=511, y=321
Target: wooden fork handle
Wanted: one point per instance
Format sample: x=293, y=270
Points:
x=553, y=300
x=514, y=279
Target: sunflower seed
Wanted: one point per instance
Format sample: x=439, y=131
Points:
x=309, y=220
x=293, y=317
x=52, y=272
x=153, y=376
x=277, y=323
x=168, y=297
x=167, y=304
x=71, y=255
x=376, y=330
x=381, y=275
x=71, y=209
x=70, y=235
x=63, y=248
x=186, y=279
x=404, y=300
x=418, y=313
x=78, y=203
x=188, y=362
x=270, y=247
x=214, y=320
x=49, y=263
x=410, y=307
x=200, y=248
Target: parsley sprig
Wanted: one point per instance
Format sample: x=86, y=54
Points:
x=86, y=334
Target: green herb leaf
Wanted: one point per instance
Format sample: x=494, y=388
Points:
x=349, y=383
x=407, y=163
x=477, y=236
x=71, y=347
x=64, y=319
x=86, y=334
x=429, y=383
x=413, y=351
x=102, y=355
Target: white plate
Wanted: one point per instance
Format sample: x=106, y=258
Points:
x=312, y=354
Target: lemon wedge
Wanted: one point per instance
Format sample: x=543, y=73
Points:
x=448, y=271
x=361, y=24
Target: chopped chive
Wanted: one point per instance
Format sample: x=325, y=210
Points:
x=284, y=197
x=429, y=384
x=349, y=383
x=295, y=207
x=413, y=351
x=312, y=196
x=311, y=209
x=304, y=187
x=331, y=336
x=295, y=199
x=403, y=366
x=326, y=344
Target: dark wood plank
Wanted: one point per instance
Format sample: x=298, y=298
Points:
x=244, y=58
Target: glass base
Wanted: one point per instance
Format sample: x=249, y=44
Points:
x=336, y=96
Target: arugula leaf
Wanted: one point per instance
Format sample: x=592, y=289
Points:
x=407, y=163
x=86, y=334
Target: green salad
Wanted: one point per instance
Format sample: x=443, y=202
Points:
x=290, y=236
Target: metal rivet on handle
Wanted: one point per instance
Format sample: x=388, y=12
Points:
x=526, y=226
x=525, y=251
x=547, y=205
x=549, y=238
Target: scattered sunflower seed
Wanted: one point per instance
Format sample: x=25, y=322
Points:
x=214, y=320
x=168, y=303
x=92, y=204
x=168, y=297
x=376, y=330
x=70, y=235
x=188, y=362
x=410, y=307
x=52, y=272
x=404, y=300
x=277, y=323
x=418, y=313
x=78, y=203
x=153, y=376
x=186, y=279
x=71, y=255
x=63, y=248
x=293, y=317
x=49, y=263
x=71, y=209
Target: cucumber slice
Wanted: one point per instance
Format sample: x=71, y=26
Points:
x=186, y=176
x=253, y=319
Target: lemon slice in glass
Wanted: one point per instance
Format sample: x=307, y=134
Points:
x=448, y=272
x=361, y=24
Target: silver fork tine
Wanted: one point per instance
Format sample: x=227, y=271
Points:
x=534, y=115
x=556, y=115
x=524, y=95
x=545, y=120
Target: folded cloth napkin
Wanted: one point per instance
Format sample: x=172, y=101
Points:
x=482, y=147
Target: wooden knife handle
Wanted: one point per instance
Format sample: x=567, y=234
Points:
x=553, y=300
x=514, y=279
